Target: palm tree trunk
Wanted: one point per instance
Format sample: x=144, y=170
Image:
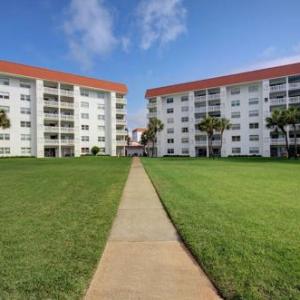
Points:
x=221, y=144
x=295, y=141
x=286, y=143
x=152, y=148
x=210, y=146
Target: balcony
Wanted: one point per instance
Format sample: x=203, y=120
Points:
x=121, y=143
x=50, y=103
x=214, y=96
x=120, y=111
x=200, y=98
x=51, y=141
x=214, y=108
x=201, y=143
x=278, y=141
x=294, y=85
x=67, y=117
x=49, y=90
x=67, y=129
x=64, y=104
x=67, y=142
x=278, y=88
x=121, y=122
x=151, y=105
x=51, y=128
x=51, y=116
x=294, y=100
x=121, y=132
x=121, y=100
x=202, y=109
x=66, y=93
x=278, y=101
x=152, y=115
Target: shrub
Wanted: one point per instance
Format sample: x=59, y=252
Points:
x=95, y=150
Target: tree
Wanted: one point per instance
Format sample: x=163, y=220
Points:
x=4, y=121
x=293, y=118
x=209, y=125
x=145, y=138
x=278, y=121
x=128, y=139
x=222, y=125
x=155, y=125
x=95, y=150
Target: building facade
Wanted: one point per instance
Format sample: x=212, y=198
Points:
x=246, y=99
x=57, y=114
x=137, y=134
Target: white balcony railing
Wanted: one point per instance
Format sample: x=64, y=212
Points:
x=121, y=100
x=51, y=103
x=67, y=104
x=294, y=100
x=278, y=88
x=152, y=115
x=67, y=141
x=278, y=141
x=200, y=98
x=67, y=117
x=278, y=101
x=50, y=116
x=121, y=143
x=201, y=143
x=214, y=108
x=214, y=96
x=151, y=104
x=51, y=128
x=121, y=111
x=51, y=141
x=66, y=93
x=121, y=122
x=201, y=109
x=121, y=132
x=50, y=90
x=294, y=85
x=67, y=129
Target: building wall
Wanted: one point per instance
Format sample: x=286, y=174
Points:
x=71, y=136
x=246, y=105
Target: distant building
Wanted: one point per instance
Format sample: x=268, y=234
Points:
x=137, y=133
x=134, y=149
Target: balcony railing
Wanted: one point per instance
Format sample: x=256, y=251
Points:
x=66, y=93
x=51, y=128
x=294, y=100
x=214, y=96
x=121, y=111
x=67, y=129
x=51, y=103
x=121, y=100
x=121, y=143
x=151, y=104
x=201, y=109
x=278, y=88
x=121, y=121
x=214, y=108
x=67, y=117
x=278, y=101
x=67, y=104
x=152, y=115
x=201, y=142
x=67, y=141
x=294, y=85
x=50, y=90
x=200, y=98
x=278, y=141
x=51, y=141
x=50, y=116
x=121, y=132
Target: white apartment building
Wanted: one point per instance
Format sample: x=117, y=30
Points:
x=246, y=99
x=137, y=134
x=57, y=114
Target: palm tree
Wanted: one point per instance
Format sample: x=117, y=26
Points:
x=209, y=125
x=155, y=125
x=278, y=121
x=223, y=124
x=293, y=118
x=4, y=121
x=145, y=138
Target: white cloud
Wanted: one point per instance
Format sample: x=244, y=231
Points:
x=137, y=119
x=89, y=30
x=125, y=42
x=161, y=21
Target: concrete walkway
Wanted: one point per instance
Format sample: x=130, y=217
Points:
x=144, y=257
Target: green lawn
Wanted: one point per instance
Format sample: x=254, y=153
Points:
x=55, y=215
x=240, y=218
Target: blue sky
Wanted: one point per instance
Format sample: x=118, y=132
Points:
x=149, y=43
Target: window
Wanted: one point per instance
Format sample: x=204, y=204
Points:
x=170, y=100
x=184, y=98
x=85, y=138
x=25, y=137
x=25, y=97
x=4, y=150
x=170, y=141
x=4, y=81
x=84, y=93
x=184, y=140
x=254, y=150
x=253, y=113
x=235, y=91
x=101, y=117
x=101, y=128
x=185, y=151
x=184, y=108
x=4, y=137
x=235, y=115
x=84, y=116
x=253, y=88
x=85, y=127
x=253, y=138
x=152, y=100
x=100, y=95
x=236, y=138
x=25, y=84
x=253, y=101
x=170, y=151
x=184, y=119
x=5, y=108
x=4, y=95
x=101, y=106
x=25, y=124
x=170, y=110
x=102, y=150
x=25, y=111
x=184, y=129
x=170, y=130
x=85, y=150
x=235, y=103
x=25, y=150
x=236, y=126
x=170, y=120
x=84, y=104
x=236, y=150
x=101, y=138
x=253, y=125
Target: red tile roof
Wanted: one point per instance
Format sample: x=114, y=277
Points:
x=139, y=129
x=225, y=80
x=46, y=74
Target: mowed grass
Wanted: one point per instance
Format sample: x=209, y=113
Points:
x=55, y=216
x=240, y=218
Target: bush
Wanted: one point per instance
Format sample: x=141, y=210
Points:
x=95, y=150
